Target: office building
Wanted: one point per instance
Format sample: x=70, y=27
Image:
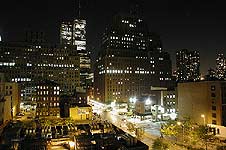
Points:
x=74, y=33
x=25, y=63
x=221, y=66
x=66, y=33
x=188, y=64
x=203, y=102
x=130, y=61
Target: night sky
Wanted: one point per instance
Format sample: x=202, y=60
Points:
x=192, y=24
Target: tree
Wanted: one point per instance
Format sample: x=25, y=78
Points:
x=159, y=145
x=169, y=129
x=203, y=133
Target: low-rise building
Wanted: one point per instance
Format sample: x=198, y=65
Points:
x=81, y=112
x=75, y=106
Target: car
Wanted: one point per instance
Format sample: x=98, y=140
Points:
x=49, y=136
x=121, y=113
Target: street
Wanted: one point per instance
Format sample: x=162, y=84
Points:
x=151, y=130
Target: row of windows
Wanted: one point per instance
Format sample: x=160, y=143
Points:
x=214, y=108
x=47, y=92
x=47, y=113
x=48, y=98
x=47, y=104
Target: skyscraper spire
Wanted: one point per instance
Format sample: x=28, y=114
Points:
x=79, y=9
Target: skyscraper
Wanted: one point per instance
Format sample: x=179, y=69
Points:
x=66, y=33
x=187, y=63
x=73, y=32
x=221, y=66
x=131, y=60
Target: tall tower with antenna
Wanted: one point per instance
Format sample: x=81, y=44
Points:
x=74, y=33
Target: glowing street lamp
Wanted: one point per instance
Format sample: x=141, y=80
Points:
x=204, y=118
x=148, y=101
x=113, y=104
x=72, y=144
x=132, y=99
x=179, y=123
x=182, y=126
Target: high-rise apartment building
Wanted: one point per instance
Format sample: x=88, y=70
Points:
x=221, y=66
x=74, y=33
x=131, y=60
x=188, y=64
x=25, y=63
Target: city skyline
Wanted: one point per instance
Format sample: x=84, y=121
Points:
x=181, y=24
x=97, y=74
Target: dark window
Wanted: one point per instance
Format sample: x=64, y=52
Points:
x=214, y=115
x=213, y=95
x=213, y=88
x=214, y=122
x=218, y=131
x=214, y=108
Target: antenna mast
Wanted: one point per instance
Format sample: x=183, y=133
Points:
x=79, y=7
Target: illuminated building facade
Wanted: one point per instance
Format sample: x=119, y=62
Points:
x=47, y=99
x=9, y=100
x=74, y=33
x=188, y=64
x=131, y=60
x=203, y=102
x=66, y=33
x=24, y=63
x=221, y=66
x=170, y=101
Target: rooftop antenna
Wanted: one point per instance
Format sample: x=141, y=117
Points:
x=79, y=7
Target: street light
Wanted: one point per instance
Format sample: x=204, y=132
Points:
x=132, y=99
x=179, y=123
x=131, y=104
x=182, y=126
x=204, y=118
x=148, y=101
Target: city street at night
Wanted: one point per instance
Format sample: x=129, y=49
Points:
x=112, y=75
